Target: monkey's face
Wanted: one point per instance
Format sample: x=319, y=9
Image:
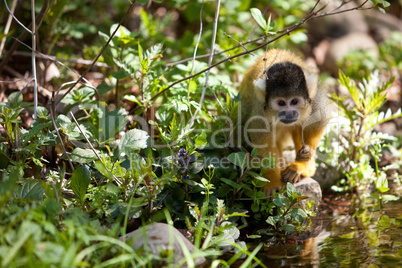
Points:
x=288, y=108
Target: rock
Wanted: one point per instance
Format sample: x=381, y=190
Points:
x=311, y=188
x=327, y=176
x=339, y=25
x=158, y=237
x=340, y=47
x=381, y=25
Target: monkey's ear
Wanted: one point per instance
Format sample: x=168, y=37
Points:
x=311, y=81
x=261, y=87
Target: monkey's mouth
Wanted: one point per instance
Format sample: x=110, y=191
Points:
x=288, y=121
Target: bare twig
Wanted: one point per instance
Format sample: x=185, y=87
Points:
x=24, y=34
x=195, y=50
x=93, y=149
x=360, y=7
x=42, y=56
x=33, y=33
x=20, y=23
x=52, y=58
x=214, y=30
x=52, y=113
x=238, y=42
x=313, y=14
x=8, y=24
x=255, y=23
x=100, y=53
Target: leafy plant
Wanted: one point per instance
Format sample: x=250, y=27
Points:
x=361, y=113
x=287, y=216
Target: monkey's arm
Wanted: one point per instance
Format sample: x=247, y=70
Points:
x=306, y=141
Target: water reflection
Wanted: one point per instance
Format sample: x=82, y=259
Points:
x=372, y=238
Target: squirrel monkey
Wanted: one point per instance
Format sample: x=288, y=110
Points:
x=281, y=102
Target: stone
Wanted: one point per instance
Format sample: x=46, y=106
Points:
x=340, y=47
x=158, y=236
x=341, y=24
x=327, y=175
x=382, y=25
x=311, y=188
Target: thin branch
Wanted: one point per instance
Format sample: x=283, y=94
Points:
x=24, y=34
x=285, y=32
x=360, y=7
x=20, y=23
x=195, y=50
x=33, y=33
x=312, y=15
x=8, y=24
x=52, y=58
x=214, y=30
x=40, y=55
x=269, y=35
x=93, y=149
x=52, y=113
x=238, y=42
x=255, y=23
x=101, y=52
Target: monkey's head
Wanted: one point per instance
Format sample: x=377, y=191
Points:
x=286, y=92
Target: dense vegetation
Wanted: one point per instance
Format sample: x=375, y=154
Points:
x=136, y=121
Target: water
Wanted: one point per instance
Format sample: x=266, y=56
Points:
x=371, y=239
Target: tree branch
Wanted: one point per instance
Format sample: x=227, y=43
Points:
x=313, y=14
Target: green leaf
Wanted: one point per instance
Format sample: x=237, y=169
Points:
x=281, y=201
x=42, y=112
x=32, y=190
x=14, y=100
x=270, y=220
x=102, y=169
x=259, y=18
x=382, y=183
x=201, y=141
x=51, y=207
x=287, y=227
x=120, y=74
x=133, y=140
x=35, y=130
x=389, y=197
x=104, y=88
x=384, y=222
x=82, y=156
x=238, y=159
x=132, y=98
x=298, y=214
x=231, y=183
x=349, y=235
x=257, y=176
x=255, y=207
x=80, y=180
x=290, y=188
x=63, y=121
x=298, y=38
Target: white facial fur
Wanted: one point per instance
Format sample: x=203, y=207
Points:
x=287, y=104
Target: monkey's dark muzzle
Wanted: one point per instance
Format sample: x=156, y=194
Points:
x=288, y=117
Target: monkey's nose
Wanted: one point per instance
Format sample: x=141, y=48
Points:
x=288, y=117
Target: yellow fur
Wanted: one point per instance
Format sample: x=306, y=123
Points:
x=270, y=136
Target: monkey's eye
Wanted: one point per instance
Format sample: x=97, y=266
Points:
x=294, y=102
x=281, y=103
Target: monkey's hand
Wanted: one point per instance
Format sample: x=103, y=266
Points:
x=303, y=167
x=292, y=173
x=304, y=154
x=298, y=170
x=274, y=184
